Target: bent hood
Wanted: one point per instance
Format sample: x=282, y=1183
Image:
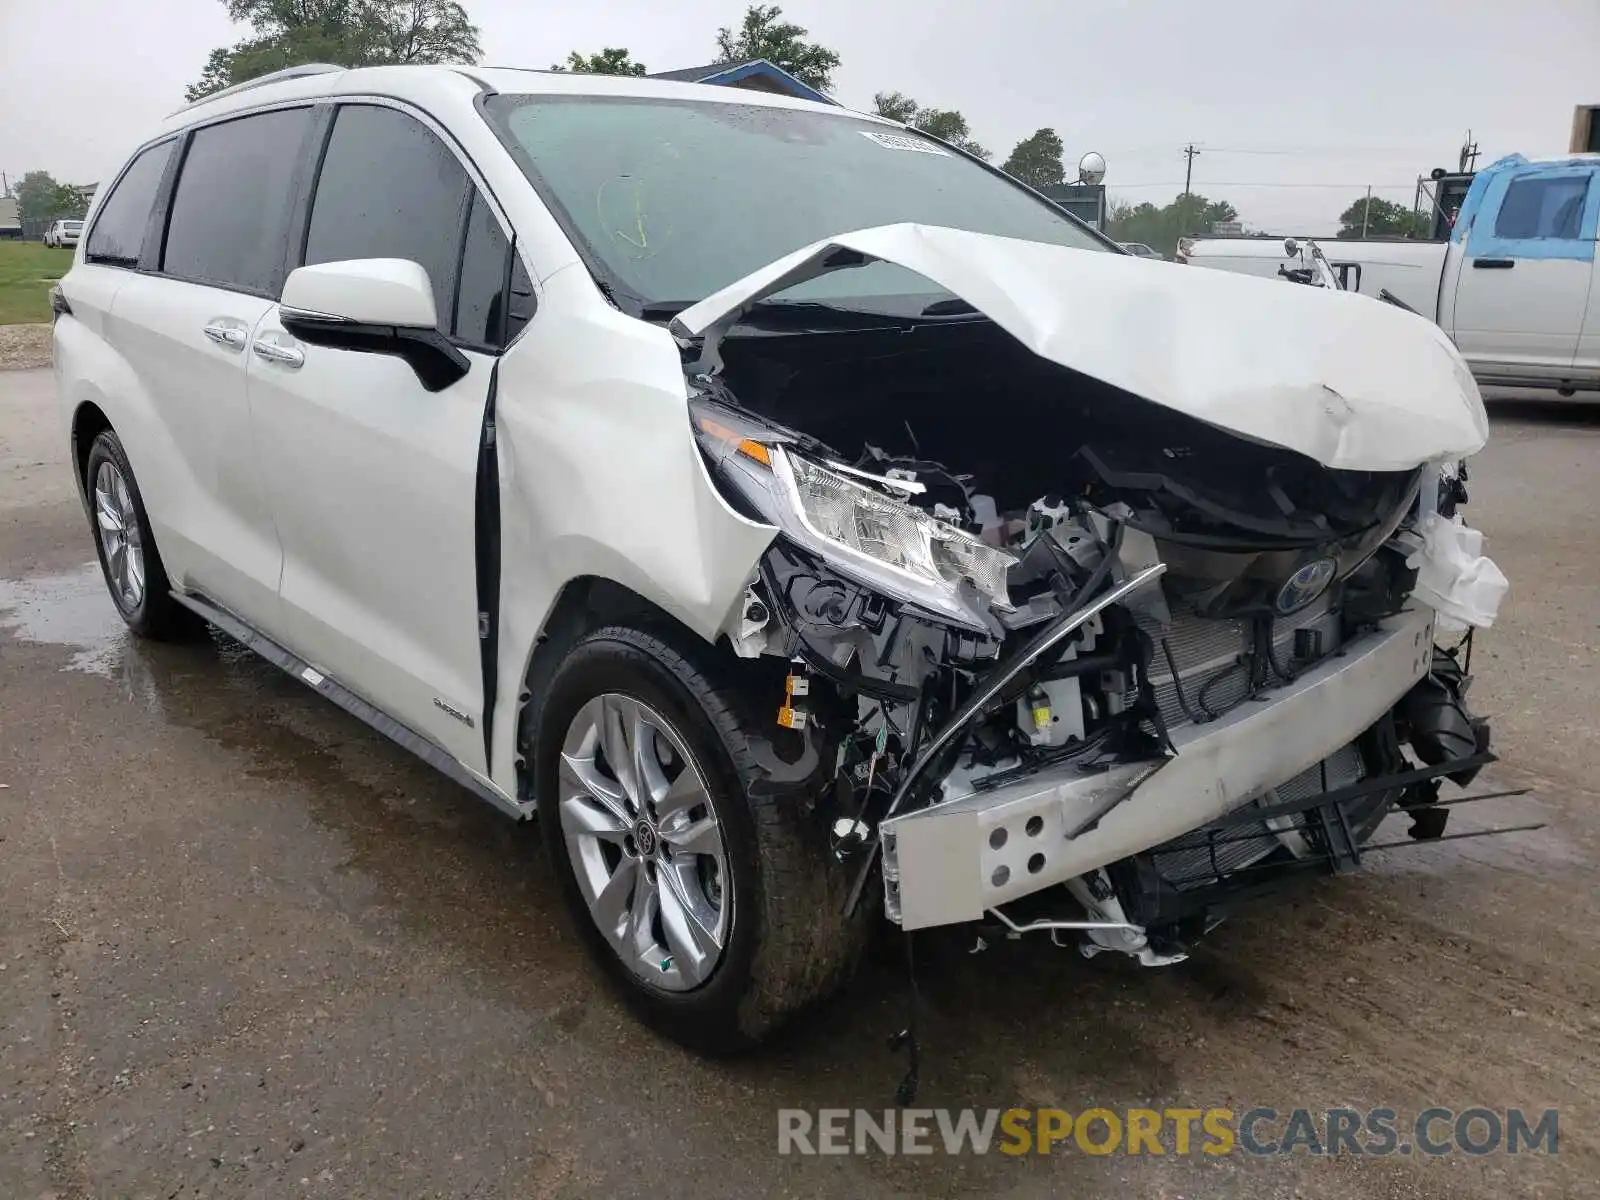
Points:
x=1351, y=382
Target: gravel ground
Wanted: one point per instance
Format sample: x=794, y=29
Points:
x=23, y=347
x=251, y=949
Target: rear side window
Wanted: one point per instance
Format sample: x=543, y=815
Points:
x=119, y=226
x=230, y=212
x=1543, y=208
x=389, y=188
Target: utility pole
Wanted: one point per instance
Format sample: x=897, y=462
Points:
x=1469, y=155
x=1189, y=153
x=1366, y=212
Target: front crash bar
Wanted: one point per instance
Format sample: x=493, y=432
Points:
x=984, y=695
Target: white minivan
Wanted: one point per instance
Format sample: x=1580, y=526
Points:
x=811, y=525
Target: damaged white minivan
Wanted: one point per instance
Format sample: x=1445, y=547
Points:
x=811, y=525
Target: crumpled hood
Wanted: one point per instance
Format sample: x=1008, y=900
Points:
x=1349, y=381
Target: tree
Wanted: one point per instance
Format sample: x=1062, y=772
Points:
x=764, y=35
x=40, y=199
x=896, y=106
x=352, y=33
x=1160, y=228
x=1036, y=160
x=946, y=124
x=613, y=60
x=1384, y=219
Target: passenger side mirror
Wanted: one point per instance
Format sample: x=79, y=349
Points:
x=373, y=306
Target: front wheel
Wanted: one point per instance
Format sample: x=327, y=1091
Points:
x=716, y=913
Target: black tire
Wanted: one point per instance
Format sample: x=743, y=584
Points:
x=789, y=944
x=156, y=615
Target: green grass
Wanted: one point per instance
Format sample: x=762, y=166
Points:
x=27, y=269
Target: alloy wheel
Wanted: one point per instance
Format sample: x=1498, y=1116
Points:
x=120, y=541
x=644, y=842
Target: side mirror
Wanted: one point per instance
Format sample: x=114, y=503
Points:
x=373, y=306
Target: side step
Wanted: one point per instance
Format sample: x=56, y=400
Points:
x=403, y=735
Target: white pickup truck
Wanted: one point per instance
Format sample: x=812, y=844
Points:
x=1514, y=285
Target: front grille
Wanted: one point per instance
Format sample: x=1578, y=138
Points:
x=1199, y=858
x=1213, y=670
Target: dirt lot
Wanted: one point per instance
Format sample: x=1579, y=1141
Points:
x=249, y=948
x=24, y=346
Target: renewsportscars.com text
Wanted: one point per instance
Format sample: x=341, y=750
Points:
x=1260, y=1132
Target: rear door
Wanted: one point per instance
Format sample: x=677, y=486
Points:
x=184, y=325
x=1524, y=281
x=373, y=477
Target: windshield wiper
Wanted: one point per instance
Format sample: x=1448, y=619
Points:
x=953, y=307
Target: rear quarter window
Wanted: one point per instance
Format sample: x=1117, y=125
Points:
x=119, y=226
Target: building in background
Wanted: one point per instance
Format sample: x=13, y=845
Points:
x=10, y=226
x=754, y=74
x=1585, y=129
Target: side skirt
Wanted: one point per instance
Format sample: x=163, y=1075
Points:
x=403, y=735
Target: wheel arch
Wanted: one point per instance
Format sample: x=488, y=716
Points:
x=585, y=603
x=89, y=421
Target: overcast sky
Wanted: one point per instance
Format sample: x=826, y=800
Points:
x=1345, y=94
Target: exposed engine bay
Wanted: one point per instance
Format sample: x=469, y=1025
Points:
x=995, y=571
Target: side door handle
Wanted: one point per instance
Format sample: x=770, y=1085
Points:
x=1493, y=264
x=227, y=332
x=273, y=348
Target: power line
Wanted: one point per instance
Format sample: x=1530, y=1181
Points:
x=1322, y=150
x=1210, y=183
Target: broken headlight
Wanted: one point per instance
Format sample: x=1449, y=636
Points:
x=862, y=531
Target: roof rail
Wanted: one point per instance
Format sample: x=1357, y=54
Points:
x=262, y=80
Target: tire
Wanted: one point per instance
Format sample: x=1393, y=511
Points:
x=787, y=943
x=149, y=610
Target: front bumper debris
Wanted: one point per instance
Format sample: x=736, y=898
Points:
x=956, y=860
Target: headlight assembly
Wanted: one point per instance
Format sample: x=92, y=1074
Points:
x=863, y=532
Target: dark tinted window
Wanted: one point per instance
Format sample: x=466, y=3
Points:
x=230, y=211
x=119, y=226
x=521, y=300
x=480, y=299
x=1542, y=208
x=389, y=189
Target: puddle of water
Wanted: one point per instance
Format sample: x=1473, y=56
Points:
x=71, y=609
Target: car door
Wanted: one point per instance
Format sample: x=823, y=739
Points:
x=183, y=327
x=1524, y=281
x=373, y=477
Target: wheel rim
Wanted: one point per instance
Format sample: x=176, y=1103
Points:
x=120, y=542
x=644, y=842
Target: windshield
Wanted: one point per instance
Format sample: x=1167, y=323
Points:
x=674, y=199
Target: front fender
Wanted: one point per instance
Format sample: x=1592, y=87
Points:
x=600, y=476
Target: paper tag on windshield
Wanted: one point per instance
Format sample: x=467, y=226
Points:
x=902, y=141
